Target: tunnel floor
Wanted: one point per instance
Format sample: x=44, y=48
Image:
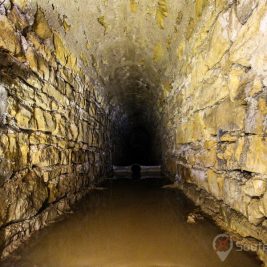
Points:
x=129, y=223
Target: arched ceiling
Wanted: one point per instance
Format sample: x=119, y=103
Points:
x=121, y=40
x=129, y=48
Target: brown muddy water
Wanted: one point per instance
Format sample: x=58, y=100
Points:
x=133, y=223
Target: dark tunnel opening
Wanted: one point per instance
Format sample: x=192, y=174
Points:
x=133, y=90
x=139, y=146
x=136, y=141
x=135, y=145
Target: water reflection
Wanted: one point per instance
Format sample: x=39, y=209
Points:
x=131, y=223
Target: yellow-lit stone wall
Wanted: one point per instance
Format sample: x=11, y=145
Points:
x=216, y=119
x=54, y=126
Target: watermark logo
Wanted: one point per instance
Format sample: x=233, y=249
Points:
x=223, y=244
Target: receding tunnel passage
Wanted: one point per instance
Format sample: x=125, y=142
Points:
x=135, y=147
x=136, y=125
x=133, y=133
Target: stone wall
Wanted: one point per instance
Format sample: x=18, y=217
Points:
x=54, y=126
x=217, y=112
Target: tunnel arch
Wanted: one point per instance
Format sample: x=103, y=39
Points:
x=135, y=122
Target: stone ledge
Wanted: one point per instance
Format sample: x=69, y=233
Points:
x=244, y=233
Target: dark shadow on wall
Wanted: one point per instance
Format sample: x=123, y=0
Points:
x=2, y=241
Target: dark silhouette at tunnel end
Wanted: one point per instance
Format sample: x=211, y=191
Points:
x=139, y=145
x=136, y=171
x=136, y=147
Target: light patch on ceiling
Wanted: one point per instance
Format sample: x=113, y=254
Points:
x=161, y=13
x=158, y=52
x=134, y=6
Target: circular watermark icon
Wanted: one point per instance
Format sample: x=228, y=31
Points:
x=222, y=245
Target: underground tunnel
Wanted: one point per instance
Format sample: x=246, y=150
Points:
x=135, y=136
x=89, y=89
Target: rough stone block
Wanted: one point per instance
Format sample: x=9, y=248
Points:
x=190, y=131
x=255, y=212
x=244, y=9
x=255, y=187
x=216, y=184
x=18, y=19
x=29, y=194
x=23, y=117
x=256, y=154
x=220, y=42
x=41, y=26
x=44, y=156
x=9, y=39
x=227, y=116
x=44, y=120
